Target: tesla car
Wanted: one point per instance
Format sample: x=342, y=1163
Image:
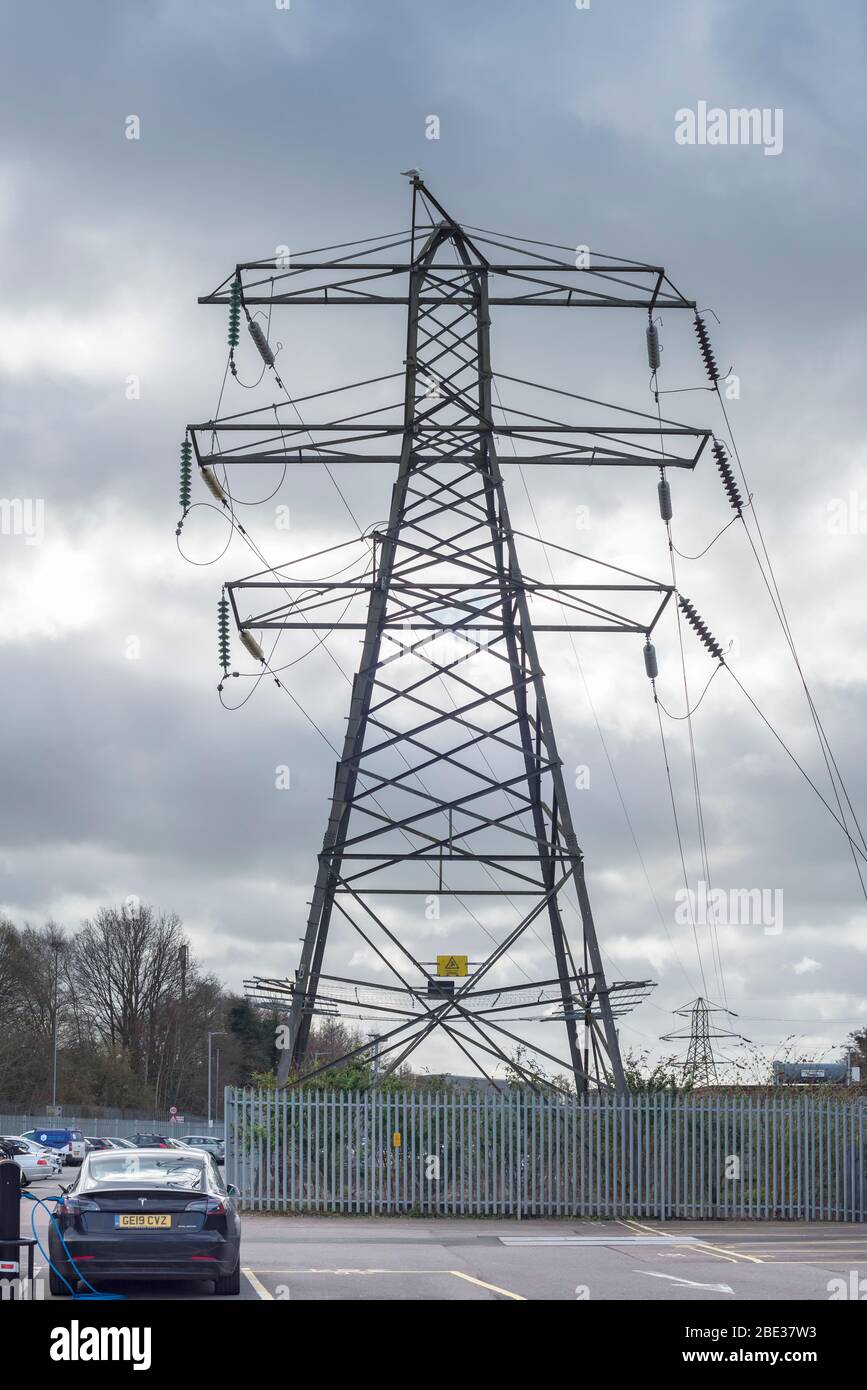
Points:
x=147, y=1214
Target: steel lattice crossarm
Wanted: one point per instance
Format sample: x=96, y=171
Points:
x=337, y=992
x=269, y=435
x=372, y=275
x=465, y=608
x=449, y=785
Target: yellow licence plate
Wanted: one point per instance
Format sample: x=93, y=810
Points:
x=143, y=1222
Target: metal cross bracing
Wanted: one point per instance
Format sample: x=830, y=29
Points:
x=449, y=785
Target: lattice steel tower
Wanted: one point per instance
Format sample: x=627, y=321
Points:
x=449, y=783
x=700, y=1064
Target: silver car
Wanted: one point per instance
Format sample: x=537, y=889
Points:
x=34, y=1161
x=207, y=1143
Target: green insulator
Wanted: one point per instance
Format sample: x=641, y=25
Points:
x=223, y=634
x=186, y=473
x=235, y=314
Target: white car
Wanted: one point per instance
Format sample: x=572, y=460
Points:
x=34, y=1161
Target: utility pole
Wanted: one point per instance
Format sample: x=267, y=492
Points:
x=450, y=785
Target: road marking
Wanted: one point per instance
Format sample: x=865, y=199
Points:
x=258, y=1286
x=715, y=1288
x=734, y=1255
x=719, y=1252
x=397, y=1273
x=507, y=1293
x=599, y=1240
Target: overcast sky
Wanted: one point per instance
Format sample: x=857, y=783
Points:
x=262, y=127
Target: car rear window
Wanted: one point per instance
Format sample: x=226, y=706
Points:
x=171, y=1169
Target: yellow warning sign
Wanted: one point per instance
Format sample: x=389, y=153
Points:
x=396, y=1139
x=452, y=965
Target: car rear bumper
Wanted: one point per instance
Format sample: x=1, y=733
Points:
x=146, y=1256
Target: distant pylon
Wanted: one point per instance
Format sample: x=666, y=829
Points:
x=700, y=1065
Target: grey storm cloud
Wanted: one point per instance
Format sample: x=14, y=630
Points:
x=260, y=127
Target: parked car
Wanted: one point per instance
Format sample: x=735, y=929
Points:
x=207, y=1142
x=34, y=1161
x=150, y=1141
x=96, y=1143
x=151, y=1214
x=119, y=1143
x=69, y=1143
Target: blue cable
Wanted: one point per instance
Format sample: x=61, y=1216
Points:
x=87, y=1297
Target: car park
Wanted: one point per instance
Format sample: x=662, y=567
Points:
x=34, y=1161
x=97, y=1142
x=209, y=1143
x=150, y=1214
x=68, y=1143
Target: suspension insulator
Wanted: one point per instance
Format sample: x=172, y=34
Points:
x=650, y=663
x=261, y=342
x=663, y=487
x=235, y=314
x=705, y=348
x=251, y=644
x=701, y=628
x=728, y=477
x=653, y=349
x=186, y=474
x=210, y=480
x=223, y=634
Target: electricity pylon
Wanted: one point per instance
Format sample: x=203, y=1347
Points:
x=449, y=784
x=700, y=1064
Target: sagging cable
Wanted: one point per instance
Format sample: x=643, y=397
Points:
x=93, y=1295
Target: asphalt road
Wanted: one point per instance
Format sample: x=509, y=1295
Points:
x=356, y=1258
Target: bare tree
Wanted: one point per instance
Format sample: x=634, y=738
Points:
x=126, y=967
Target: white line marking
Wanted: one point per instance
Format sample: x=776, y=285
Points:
x=599, y=1240
x=716, y=1288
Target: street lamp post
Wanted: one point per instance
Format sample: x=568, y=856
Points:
x=216, y=1033
x=54, y=1030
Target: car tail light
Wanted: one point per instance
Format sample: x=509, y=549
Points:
x=76, y=1205
x=42, y=1163
x=211, y=1206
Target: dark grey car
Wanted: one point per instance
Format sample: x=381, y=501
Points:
x=147, y=1214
